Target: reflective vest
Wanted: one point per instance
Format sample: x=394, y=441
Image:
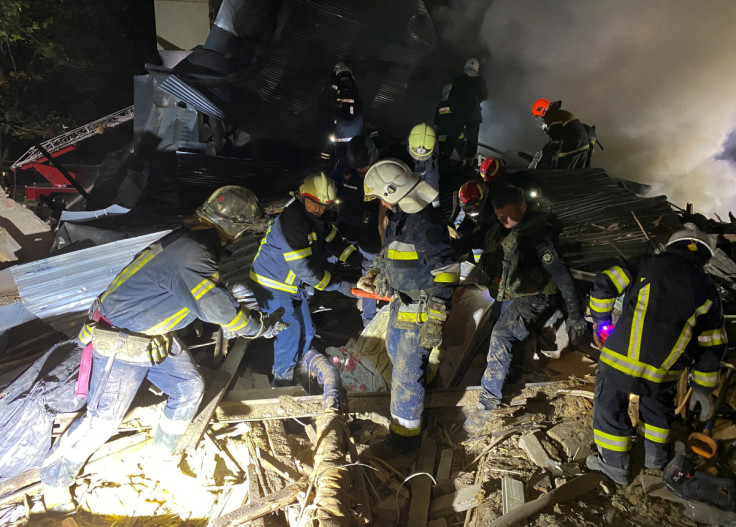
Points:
x=672, y=318
x=294, y=251
x=169, y=284
x=416, y=255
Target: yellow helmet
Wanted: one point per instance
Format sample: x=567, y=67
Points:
x=422, y=141
x=318, y=188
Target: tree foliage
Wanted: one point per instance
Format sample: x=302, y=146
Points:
x=64, y=63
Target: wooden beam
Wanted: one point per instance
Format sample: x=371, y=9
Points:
x=271, y=503
x=212, y=397
x=421, y=485
x=312, y=405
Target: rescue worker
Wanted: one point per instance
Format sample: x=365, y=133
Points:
x=569, y=144
x=293, y=259
x=342, y=108
x=421, y=145
x=524, y=273
x=357, y=219
x=468, y=91
x=671, y=319
x=129, y=336
x=416, y=267
x=479, y=216
x=449, y=131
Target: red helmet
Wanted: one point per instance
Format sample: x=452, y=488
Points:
x=491, y=168
x=540, y=107
x=471, y=191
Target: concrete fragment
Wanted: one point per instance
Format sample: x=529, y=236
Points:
x=534, y=449
x=458, y=501
x=23, y=235
x=576, y=438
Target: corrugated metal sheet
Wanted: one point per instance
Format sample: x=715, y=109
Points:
x=596, y=215
x=68, y=283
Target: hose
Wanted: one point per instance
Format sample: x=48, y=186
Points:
x=327, y=376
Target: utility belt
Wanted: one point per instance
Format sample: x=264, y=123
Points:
x=109, y=341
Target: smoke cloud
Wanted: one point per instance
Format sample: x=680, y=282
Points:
x=657, y=78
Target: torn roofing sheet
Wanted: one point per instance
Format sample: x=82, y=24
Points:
x=69, y=282
x=595, y=212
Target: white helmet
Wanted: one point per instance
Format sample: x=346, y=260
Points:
x=230, y=209
x=395, y=183
x=472, y=67
x=696, y=237
x=342, y=67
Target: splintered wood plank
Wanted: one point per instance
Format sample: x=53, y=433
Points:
x=313, y=405
x=461, y=500
x=512, y=491
x=271, y=503
x=445, y=464
x=421, y=485
x=213, y=395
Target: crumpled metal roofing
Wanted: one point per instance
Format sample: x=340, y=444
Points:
x=69, y=282
x=596, y=215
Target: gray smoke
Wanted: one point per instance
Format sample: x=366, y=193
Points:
x=657, y=78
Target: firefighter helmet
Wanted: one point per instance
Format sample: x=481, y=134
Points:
x=422, y=141
x=540, y=107
x=361, y=152
x=342, y=67
x=230, y=209
x=695, y=238
x=394, y=182
x=471, y=191
x=319, y=189
x=472, y=67
x=491, y=168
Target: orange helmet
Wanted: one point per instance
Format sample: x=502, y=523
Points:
x=540, y=107
x=491, y=168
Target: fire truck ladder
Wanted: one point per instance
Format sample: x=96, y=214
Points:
x=75, y=136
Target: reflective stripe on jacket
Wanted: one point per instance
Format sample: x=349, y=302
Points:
x=294, y=251
x=672, y=319
x=169, y=284
x=416, y=255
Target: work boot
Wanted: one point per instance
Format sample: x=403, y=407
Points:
x=394, y=445
x=618, y=475
x=58, y=500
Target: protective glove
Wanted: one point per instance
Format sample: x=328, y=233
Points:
x=381, y=286
x=430, y=335
x=86, y=333
x=159, y=347
x=366, y=282
x=345, y=288
x=706, y=405
x=260, y=326
x=576, y=328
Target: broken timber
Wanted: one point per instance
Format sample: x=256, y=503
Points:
x=313, y=405
x=213, y=395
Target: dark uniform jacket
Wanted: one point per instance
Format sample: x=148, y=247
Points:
x=465, y=97
x=169, y=284
x=416, y=255
x=569, y=142
x=524, y=261
x=294, y=252
x=341, y=98
x=474, y=231
x=672, y=318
